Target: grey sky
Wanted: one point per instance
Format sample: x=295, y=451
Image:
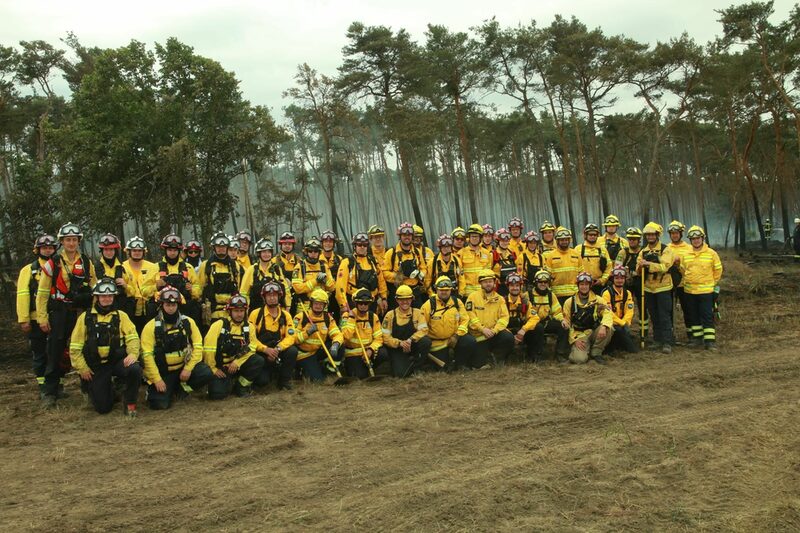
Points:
x=263, y=42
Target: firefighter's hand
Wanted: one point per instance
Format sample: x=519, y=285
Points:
x=643, y=263
x=185, y=375
x=602, y=332
x=160, y=283
x=581, y=344
x=519, y=336
x=187, y=286
x=399, y=278
x=421, y=276
x=271, y=353
x=86, y=376
x=414, y=274
x=452, y=342
x=232, y=367
x=677, y=260
x=120, y=282
x=406, y=345
x=45, y=327
x=128, y=361
x=311, y=328
x=25, y=327
x=565, y=324
x=321, y=277
x=160, y=385
x=370, y=353
x=383, y=305
x=488, y=333
x=219, y=373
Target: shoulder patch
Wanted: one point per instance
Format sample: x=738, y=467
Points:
x=468, y=306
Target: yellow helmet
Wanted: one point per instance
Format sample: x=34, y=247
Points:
x=611, y=220
x=547, y=226
x=404, y=291
x=443, y=282
x=318, y=295
x=486, y=274
x=375, y=230
x=696, y=231
x=475, y=228
x=542, y=275
x=676, y=225
x=458, y=232
x=652, y=227
x=418, y=231
x=563, y=233
x=633, y=233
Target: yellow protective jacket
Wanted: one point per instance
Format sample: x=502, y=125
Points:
x=564, y=267
x=472, y=262
x=397, y=317
x=304, y=278
x=543, y=307
x=48, y=289
x=136, y=282
x=528, y=263
x=366, y=327
x=332, y=263
x=114, y=271
x=450, y=268
x=212, y=271
x=486, y=311
x=392, y=266
x=426, y=253
x=275, y=332
x=657, y=278
x=257, y=272
x=287, y=262
x=245, y=261
x=611, y=244
x=701, y=269
x=27, y=286
x=547, y=246
x=164, y=269
x=620, y=301
x=596, y=310
x=519, y=311
x=127, y=338
x=241, y=333
x=595, y=261
x=175, y=360
x=678, y=251
x=308, y=343
x=517, y=245
x=445, y=319
x=350, y=269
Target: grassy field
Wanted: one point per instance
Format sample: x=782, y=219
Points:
x=690, y=441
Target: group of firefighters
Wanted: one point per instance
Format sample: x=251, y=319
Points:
x=246, y=317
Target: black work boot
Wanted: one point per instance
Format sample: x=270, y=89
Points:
x=599, y=359
x=711, y=346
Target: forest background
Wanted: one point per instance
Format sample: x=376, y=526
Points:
x=553, y=120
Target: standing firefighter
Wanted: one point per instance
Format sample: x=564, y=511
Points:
x=260, y=273
x=377, y=242
x=229, y=350
x=27, y=317
x=405, y=337
x=193, y=252
x=275, y=339
x=679, y=249
x=110, y=266
x=610, y=240
x=311, y=274
x=702, y=270
x=218, y=280
x=175, y=272
x=362, y=336
x=332, y=262
x=594, y=258
x=548, y=232
x=448, y=324
x=530, y=261
x=419, y=244
x=474, y=260
x=65, y=289
x=655, y=260
x=405, y=265
x=459, y=237
x=245, y=240
x=172, y=352
x=138, y=270
x=590, y=323
x=620, y=301
x=487, y=240
x=446, y=263
x=316, y=337
x=360, y=271
x=504, y=259
x=488, y=316
x=104, y=345
x=515, y=227
x=564, y=264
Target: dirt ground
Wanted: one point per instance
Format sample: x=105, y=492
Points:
x=691, y=441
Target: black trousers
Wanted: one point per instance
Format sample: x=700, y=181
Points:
x=659, y=308
x=37, y=340
x=500, y=346
x=220, y=388
x=535, y=339
x=280, y=371
x=623, y=340
x=199, y=378
x=700, y=312
x=681, y=295
x=62, y=320
x=403, y=364
x=101, y=387
x=139, y=322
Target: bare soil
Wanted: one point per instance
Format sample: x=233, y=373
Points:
x=691, y=441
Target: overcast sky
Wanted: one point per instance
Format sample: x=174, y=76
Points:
x=264, y=41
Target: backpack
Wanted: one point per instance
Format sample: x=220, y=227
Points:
x=116, y=350
x=269, y=338
x=432, y=301
x=162, y=348
x=603, y=260
x=227, y=345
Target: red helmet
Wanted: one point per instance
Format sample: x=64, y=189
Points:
x=531, y=236
x=109, y=240
x=169, y=294
x=271, y=287
x=172, y=241
x=405, y=229
x=237, y=301
x=513, y=278
x=444, y=240
x=515, y=222
x=503, y=234
x=194, y=246
x=488, y=230
x=287, y=238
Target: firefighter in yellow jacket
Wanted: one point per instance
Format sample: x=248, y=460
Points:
x=611, y=240
x=273, y=328
x=104, y=344
x=172, y=353
x=504, y=259
x=564, y=265
x=109, y=265
x=360, y=271
x=245, y=240
x=594, y=258
x=459, y=236
x=546, y=319
x=218, y=279
x=261, y=272
x=65, y=289
x=377, y=242
x=405, y=265
x=229, y=350
x=487, y=240
x=419, y=236
x=405, y=338
x=362, y=336
x=679, y=248
x=27, y=285
x=590, y=323
x=474, y=260
x=515, y=228
x=620, y=301
x=138, y=270
x=174, y=271
x=313, y=328
x=548, y=232
x=446, y=263
x=530, y=261
x=488, y=322
x=702, y=270
x=310, y=273
x=448, y=324
x=654, y=263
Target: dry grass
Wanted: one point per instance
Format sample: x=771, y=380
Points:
x=692, y=441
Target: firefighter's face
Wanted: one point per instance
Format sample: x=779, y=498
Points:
x=265, y=256
x=47, y=251
x=109, y=253
x=220, y=250
x=318, y=307
x=404, y=303
x=591, y=237
x=405, y=238
x=514, y=289
x=238, y=313
x=547, y=236
x=611, y=230
x=137, y=254
x=105, y=300
x=619, y=281
x=170, y=307
x=70, y=243
x=675, y=236
x=487, y=284
x=327, y=244
x=488, y=238
x=651, y=238
x=443, y=294
x=172, y=253
x=563, y=243
x=584, y=287
x=287, y=247
x=516, y=231
x=634, y=242
x=474, y=239
x=697, y=242
x=417, y=240
x=271, y=299
x=504, y=243
x=244, y=245
x=233, y=253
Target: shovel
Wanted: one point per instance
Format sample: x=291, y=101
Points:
x=372, y=377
